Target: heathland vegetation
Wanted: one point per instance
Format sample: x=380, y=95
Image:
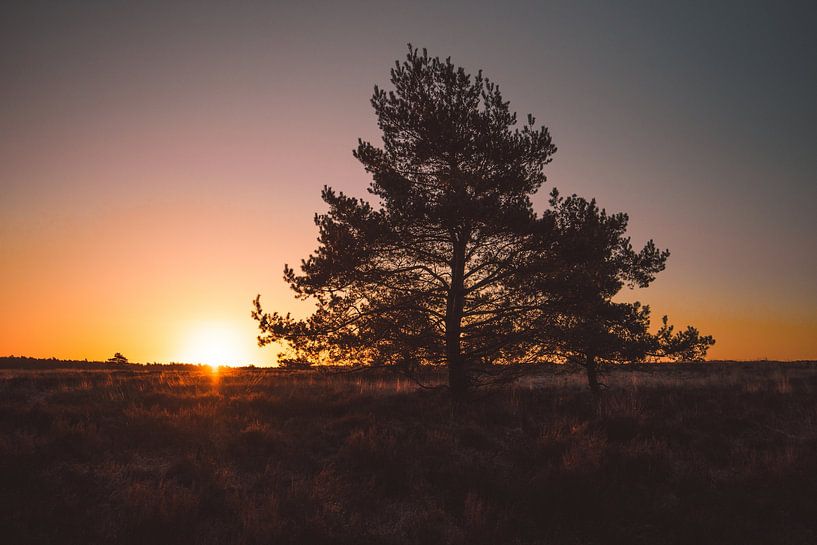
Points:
x=719, y=453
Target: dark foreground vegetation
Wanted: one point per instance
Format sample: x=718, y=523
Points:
x=719, y=453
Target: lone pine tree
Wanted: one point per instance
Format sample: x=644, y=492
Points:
x=452, y=265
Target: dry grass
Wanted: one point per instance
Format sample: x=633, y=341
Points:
x=689, y=454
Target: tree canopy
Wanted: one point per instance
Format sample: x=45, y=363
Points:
x=452, y=264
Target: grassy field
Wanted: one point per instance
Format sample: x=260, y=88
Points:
x=717, y=453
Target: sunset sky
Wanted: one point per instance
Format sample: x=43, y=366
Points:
x=161, y=162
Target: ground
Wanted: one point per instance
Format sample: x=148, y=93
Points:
x=707, y=453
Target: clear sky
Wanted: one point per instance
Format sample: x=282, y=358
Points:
x=160, y=162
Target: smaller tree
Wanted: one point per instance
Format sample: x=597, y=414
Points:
x=595, y=260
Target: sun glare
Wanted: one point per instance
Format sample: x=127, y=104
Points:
x=214, y=345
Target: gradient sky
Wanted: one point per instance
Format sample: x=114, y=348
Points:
x=160, y=162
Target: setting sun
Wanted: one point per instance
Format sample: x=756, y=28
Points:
x=215, y=344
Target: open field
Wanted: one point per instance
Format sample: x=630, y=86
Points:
x=717, y=453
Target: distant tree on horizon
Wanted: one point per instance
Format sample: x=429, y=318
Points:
x=118, y=358
x=453, y=265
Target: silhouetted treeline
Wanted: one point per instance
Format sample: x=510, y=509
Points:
x=25, y=362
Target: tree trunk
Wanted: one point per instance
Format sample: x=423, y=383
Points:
x=457, y=372
x=457, y=379
x=592, y=375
